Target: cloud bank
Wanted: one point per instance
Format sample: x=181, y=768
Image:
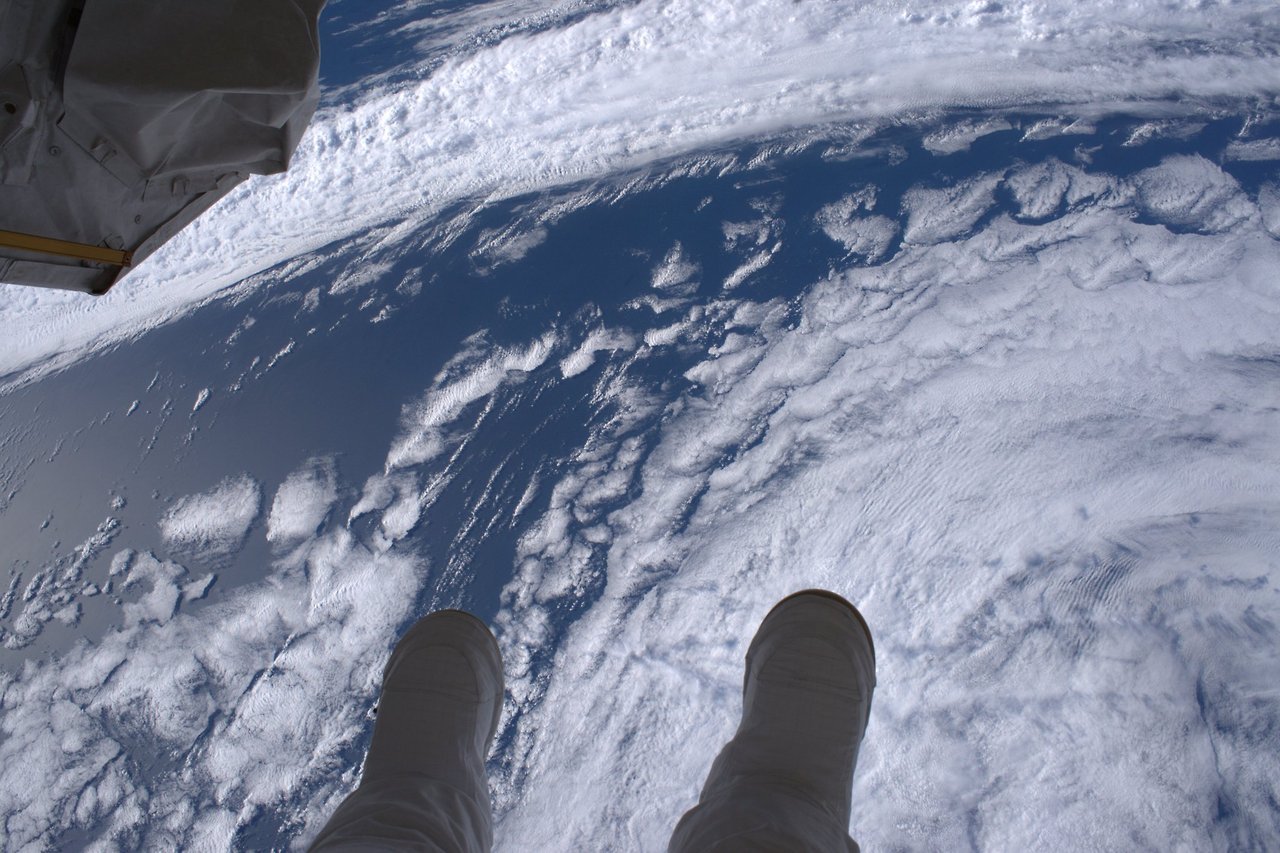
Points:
x=1037, y=458
x=302, y=503
x=574, y=102
x=1035, y=445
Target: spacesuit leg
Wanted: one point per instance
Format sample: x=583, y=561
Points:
x=785, y=780
x=423, y=786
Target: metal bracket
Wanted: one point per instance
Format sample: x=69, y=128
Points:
x=65, y=249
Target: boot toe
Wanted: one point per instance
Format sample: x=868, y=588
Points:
x=446, y=665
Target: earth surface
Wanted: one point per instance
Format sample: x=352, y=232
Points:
x=614, y=322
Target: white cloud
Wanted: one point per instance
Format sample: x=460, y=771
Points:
x=402, y=516
x=302, y=502
x=1254, y=150
x=575, y=102
x=161, y=600
x=50, y=592
x=1048, y=499
x=1052, y=127
x=677, y=273
x=472, y=375
x=1037, y=459
x=864, y=237
x=1189, y=191
x=1042, y=189
x=1269, y=205
x=508, y=245
x=120, y=562
x=960, y=137
x=751, y=266
x=1041, y=460
x=944, y=213
x=240, y=705
x=213, y=523
x=600, y=340
x=201, y=399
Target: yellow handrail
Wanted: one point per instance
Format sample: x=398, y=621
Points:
x=65, y=248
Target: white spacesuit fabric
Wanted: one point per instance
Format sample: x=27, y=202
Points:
x=785, y=780
x=423, y=786
x=783, y=783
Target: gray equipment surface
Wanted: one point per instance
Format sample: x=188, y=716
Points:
x=121, y=121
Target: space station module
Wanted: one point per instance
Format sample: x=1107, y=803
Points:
x=121, y=121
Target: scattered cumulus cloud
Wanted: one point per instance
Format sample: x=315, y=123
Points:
x=213, y=524
x=201, y=399
x=302, y=502
x=676, y=274
x=51, y=590
x=600, y=340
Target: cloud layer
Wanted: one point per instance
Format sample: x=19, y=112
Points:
x=575, y=102
x=1028, y=423
x=1034, y=453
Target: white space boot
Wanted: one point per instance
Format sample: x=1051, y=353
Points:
x=785, y=780
x=423, y=786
